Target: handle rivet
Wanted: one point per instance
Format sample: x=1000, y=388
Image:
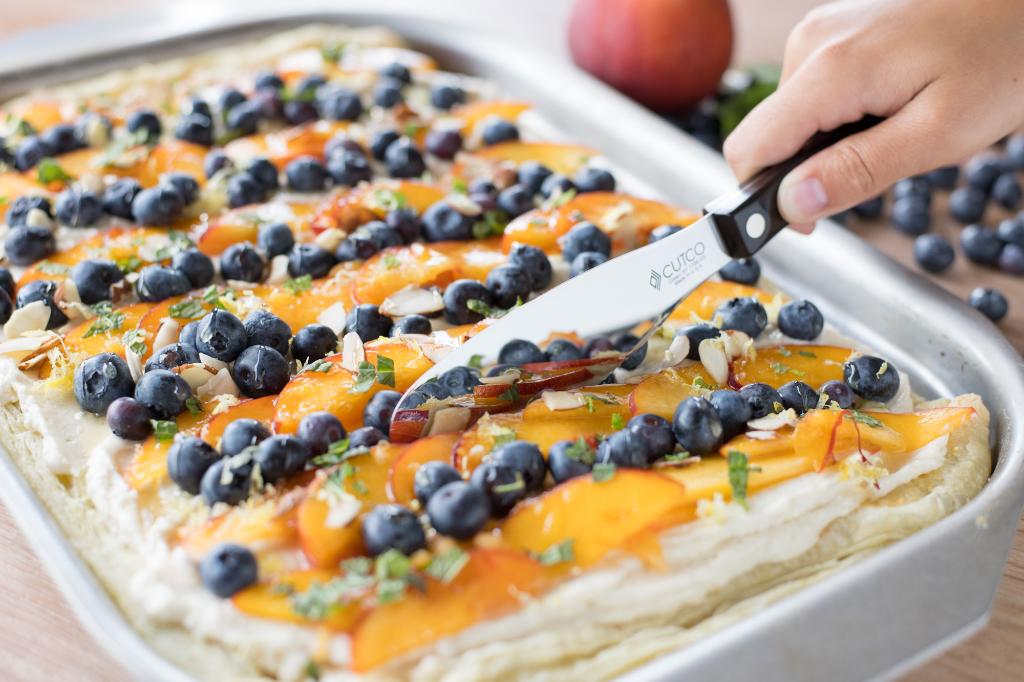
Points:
x=755, y=226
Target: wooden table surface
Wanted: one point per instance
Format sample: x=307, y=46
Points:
x=41, y=639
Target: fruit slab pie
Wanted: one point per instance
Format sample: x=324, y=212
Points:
x=221, y=272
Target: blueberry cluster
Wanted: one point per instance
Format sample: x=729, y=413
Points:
x=88, y=130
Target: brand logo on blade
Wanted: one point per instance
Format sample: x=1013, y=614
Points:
x=676, y=270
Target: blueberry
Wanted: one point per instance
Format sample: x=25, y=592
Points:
x=310, y=259
x=146, y=121
x=697, y=426
x=585, y=237
x=589, y=179
x=157, y=283
x=42, y=290
x=380, y=142
x=441, y=222
x=563, y=350
x=195, y=128
x=734, y=411
x=697, y=333
x=306, y=174
x=31, y=151
x=655, y=432
x=187, y=336
x=663, y=231
x=195, y=265
x=78, y=208
x=242, y=262
x=626, y=343
x=309, y=84
x=163, y=393
x=497, y=370
x=911, y=215
x=129, y=419
x=933, y=252
x=406, y=222
x=183, y=183
x=299, y=112
x=241, y=434
x=349, y=168
x=980, y=244
x=267, y=80
x=967, y=204
x=586, y=261
x=525, y=458
x=798, y=396
x=281, y=456
x=515, y=200
x=459, y=380
x=275, y=239
x=244, y=118
x=444, y=143
x=228, y=569
x=870, y=209
x=568, y=459
x=100, y=380
x=404, y=160
x=624, y=449
x=230, y=488
x=508, y=285
x=458, y=510
x=431, y=477
x=7, y=281
x=503, y=486
x=457, y=297
x=244, y=189
x=989, y=302
x=93, y=278
x=187, y=459
x=17, y=213
x=872, y=378
x=497, y=130
x=381, y=235
x=156, y=206
x=839, y=393
x=599, y=344
x=215, y=161
x=1011, y=259
x=264, y=328
x=367, y=321
x=387, y=93
x=1007, y=192
x=92, y=130
x=520, y=352
x=220, y=335
x=392, y=526
x=982, y=170
x=1011, y=230
x=260, y=371
x=801, y=320
x=339, y=104
x=341, y=143
x=378, y=411
x=744, y=314
x=6, y=307
x=762, y=398
x=314, y=342
x=434, y=389
x=398, y=71
x=61, y=139
x=742, y=271
x=118, y=198
x=26, y=245
x=264, y=173
x=365, y=437
x=174, y=355
x=412, y=324
x=913, y=187
x=534, y=262
x=944, y=177
x=444, y=96
x=319, y=430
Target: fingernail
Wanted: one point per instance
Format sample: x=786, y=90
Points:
x=804, y=201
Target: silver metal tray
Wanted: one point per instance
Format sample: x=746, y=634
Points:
x=872, y=620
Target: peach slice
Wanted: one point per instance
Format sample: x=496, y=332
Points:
x=706, y=298
x=116, y=243
x=260, y=409
x=617, y=509
x=273, y=600
x=474, y=259
x=660, y=393
x=493, y=582
x=39, y=113
x=331, y=390
x=300, y=308
x=430, y=449
x=147, y=469
x=284, y=146
x=263, y=525
x=347, y=209
x=469, y=115
x=482, y=437
x=14, y=185
x=778, y=365
x=709, y=476
x=397, y=267
x=86, y=338
x=560, y=158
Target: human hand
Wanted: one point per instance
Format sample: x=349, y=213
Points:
x=947, y=74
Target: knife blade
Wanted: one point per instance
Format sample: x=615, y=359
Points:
x=647, y=283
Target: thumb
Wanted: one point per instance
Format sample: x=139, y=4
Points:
x=859, y=167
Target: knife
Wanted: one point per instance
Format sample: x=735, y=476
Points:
x=648, y=283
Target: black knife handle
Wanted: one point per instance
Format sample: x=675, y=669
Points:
x=747, y=218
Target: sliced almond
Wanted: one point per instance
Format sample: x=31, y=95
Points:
x=278, y=269
x=449, y=420
x=213, y=363
x=18, y=347
x=329, y=239
x=36, y=217
x=509, y=376
x=195, y=374
x=412, y=300
x=67, y=292
x=166, y=333
x=677, y=350
x=220, y=384
x=715, y=361
x=333, y=317
x=562, y=400
x=463, y=204
x=736, y=344
x=30, y=318
x=134, y=361
x=352, y=352
x=774, y=421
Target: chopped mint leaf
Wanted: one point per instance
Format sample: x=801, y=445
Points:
x=581, y=451
x=299, y=284
x=337, y=453
x=560, y=199
x=806, y=353
x=385, y=371
x=331, y=54
x=163, y=430
x=48, y=170
x=107, y=320
x=387, y=200
x=52, y=268
x=475, y=362
x=194, y=406
x=187, y=310
x=134, y=340
x=445, y=567
x=413, y=128
x=391, y=261
x=321, y=365
x=603, y=471
x=558, y=553
x=459, y=186
x=780, y=368
x=503, y=435
x=784, y=352
x=312, y=670
x=129, y=264
x=739, y=475
x=510, y=394
x=618, y=422
x=359, y=565
x=491, y=224
x=867, y=419
x=365, y=378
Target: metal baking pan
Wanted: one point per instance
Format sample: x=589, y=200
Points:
x=872, y=620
